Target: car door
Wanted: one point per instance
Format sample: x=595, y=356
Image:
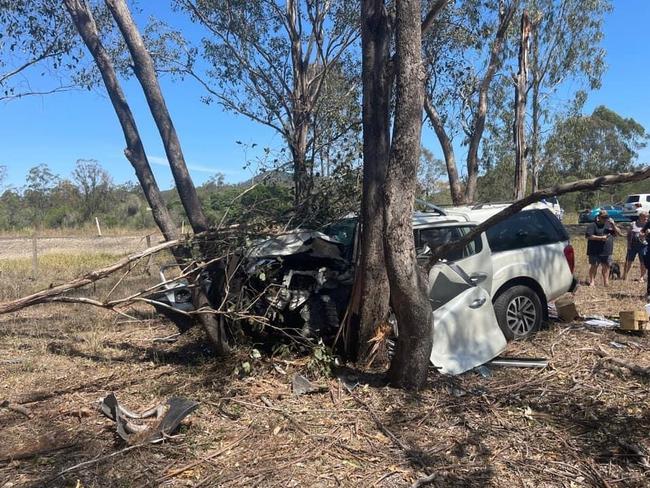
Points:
x=465, y=329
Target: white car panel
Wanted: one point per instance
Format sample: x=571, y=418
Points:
x=545, y=264
x=465, y=329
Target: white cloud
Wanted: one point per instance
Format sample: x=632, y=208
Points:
x=162, y=161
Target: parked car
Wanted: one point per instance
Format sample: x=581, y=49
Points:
x=615, y=212
x=635, y=204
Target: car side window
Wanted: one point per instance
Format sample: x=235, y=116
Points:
x=524, y=229
x=428, y=239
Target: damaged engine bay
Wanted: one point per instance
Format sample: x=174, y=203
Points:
x=294, y=286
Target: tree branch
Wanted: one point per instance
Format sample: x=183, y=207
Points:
x=433, y=12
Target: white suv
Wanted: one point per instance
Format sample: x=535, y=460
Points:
x=523, y=262
x=635, y=204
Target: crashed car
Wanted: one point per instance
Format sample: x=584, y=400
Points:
x=500, y=283
x=298, y=282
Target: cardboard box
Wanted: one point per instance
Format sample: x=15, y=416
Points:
x=634, y=320
x=566, y=309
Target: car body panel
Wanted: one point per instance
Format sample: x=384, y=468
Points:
x=635, y=204
x=546, y=265
x=465, y=329
x=616, y=213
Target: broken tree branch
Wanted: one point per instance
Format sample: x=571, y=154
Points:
x=46, y=294
x=575, y=186
x=635, y=368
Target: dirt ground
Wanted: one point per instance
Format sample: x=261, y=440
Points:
x=582, y=421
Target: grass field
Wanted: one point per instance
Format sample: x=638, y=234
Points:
x=583, y=421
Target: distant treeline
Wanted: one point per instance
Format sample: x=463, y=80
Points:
x=49, y=201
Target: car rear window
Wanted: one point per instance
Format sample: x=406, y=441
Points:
x=632, y=199
x=427, y=239
x=526, y=229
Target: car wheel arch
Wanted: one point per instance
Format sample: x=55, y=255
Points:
x=530, y=283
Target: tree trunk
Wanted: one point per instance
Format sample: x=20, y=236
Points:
x=85, y=23
x=505, y=17
x=521, y=169
x=406, y=280
x=536, y=112
x=302, y=174
x=371, y=279
x=146, y=74
x=457, y=195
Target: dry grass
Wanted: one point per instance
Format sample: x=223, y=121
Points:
x=581, y=422
x=87, y=231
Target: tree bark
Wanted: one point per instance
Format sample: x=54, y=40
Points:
x=145, y=72
x=406, y=280
x=478, y=125
x=536, y=111
x=521, y=169
x=85, y=23
x=371, y=281
x=457, y=195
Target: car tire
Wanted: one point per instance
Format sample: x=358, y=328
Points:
x=519, y=312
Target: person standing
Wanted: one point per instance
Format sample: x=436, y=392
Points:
x=600, y=246
x=636, y=245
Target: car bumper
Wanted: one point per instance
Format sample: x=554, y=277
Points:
x=574, y=285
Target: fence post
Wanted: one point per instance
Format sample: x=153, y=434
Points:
x=34, y=257
x=99, y=229
x=148, y=271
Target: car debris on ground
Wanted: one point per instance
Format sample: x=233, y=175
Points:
x=166, y=417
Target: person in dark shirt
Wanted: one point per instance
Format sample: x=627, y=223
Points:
x=644, y=231
x=600, y=246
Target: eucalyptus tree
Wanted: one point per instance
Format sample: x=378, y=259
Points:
x=566, y=60
x=271, y=61
x=36, y=38
x=463, y=59
x=565, y=47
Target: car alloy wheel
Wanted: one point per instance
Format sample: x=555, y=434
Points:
x=521, y=316
x=519, y=311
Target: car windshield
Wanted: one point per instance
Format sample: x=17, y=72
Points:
x=632, y=199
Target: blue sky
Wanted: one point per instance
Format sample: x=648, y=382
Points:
x=59, y=129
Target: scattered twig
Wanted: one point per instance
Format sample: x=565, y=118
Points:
x=291, y=420
x=99, y=459
x=424, y=481
x=204, y=459
x=396, y=440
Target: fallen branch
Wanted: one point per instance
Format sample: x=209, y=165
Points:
x=16, y=408
x=291, y=420
x=635, y=368
x=39, y=450
x=43, y=295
